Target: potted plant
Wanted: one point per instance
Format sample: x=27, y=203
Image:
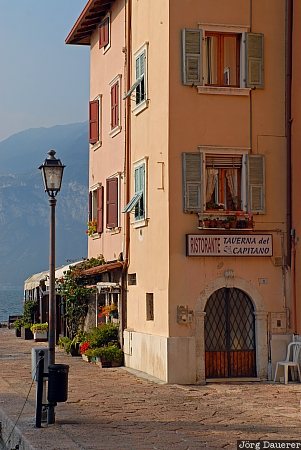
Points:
x=84, y=346
x=76, y=342
x=206, y=222
x=26, y=332
x=17, y=326
x=40, y=331
x=108, y=356
x=65, y=343
x=92, y=227
x=232, y=221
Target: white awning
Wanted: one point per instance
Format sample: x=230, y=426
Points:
x=35, y=280
x=107, y=286
x=60, y=272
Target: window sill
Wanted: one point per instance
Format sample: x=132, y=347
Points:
x=141, y=107
x=223, y=229
x=140, y=223
x=222, y=212
x=96, y=146
x=223, y=90
x=115, y=131
x=113, y=231
x=95, y=236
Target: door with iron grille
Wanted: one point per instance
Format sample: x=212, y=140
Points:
x=229, y=335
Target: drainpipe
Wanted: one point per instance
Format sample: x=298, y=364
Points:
x=127, y=175
x=291, y=254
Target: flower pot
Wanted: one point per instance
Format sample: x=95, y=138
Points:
x=26, y=333
x=116, y=364
x=86, y=358
x=18, y=332
x=74, y=350
x=40, y=336
x=102, y=363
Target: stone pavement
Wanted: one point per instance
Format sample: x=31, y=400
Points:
x=113, y=409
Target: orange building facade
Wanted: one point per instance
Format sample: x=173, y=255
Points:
x=193, y=181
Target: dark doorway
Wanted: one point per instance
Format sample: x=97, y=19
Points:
x=230, y=335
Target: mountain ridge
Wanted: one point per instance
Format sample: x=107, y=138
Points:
x=24, y=206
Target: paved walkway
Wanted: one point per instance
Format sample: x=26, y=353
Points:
x=113, y=409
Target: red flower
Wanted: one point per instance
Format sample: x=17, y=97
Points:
x=84, y=347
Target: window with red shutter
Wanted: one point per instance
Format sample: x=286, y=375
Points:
x=115, y=105
x=112, y=202
x=94, y=121
x=104, y=32
x=100, y=209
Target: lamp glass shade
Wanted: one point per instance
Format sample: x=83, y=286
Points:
x=52, y=172
x=52, y=176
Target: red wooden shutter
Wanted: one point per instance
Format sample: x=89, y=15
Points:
x=100, y=209
x=112, y=202
x=115, y=105
x=94, y=121
x=104, y=33
x=90, y=206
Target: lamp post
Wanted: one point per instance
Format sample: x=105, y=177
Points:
x=52, y=171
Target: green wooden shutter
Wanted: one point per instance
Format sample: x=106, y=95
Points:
x=191, y=56
x=140, y=71
x=140, y=188
x=192, y=181
x=256, y=183
x=254, y=60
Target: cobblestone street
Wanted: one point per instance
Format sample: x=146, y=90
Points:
x=114, y=409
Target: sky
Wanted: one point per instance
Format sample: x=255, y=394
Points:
x=43, y=81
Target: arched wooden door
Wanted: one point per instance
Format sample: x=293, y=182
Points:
x=230, y=335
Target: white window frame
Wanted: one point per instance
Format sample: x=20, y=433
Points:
x=244, y=189
x=99, y=142
x=138, y=108
x=242, y=90
x=113, y=132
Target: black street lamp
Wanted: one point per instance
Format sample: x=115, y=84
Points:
x=52, y=171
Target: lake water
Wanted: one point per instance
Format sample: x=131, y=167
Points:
x=11, y=303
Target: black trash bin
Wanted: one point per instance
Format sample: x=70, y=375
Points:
x=58, y=383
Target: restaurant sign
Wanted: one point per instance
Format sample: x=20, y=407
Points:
x=229, y=245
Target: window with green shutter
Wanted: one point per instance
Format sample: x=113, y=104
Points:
x=223, y=182
x=140, y=74
x=140, y=190
x=222, y=59
x=137, y=204
x=254, y=60
x=191, y=56
x=192, y=175
x=256, y=183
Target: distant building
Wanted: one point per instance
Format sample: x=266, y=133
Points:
x=190, y=181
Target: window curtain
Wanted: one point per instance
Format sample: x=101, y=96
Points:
x=231, y=176
x=211, y=182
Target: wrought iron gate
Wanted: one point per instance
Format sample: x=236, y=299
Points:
x=230, y=335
